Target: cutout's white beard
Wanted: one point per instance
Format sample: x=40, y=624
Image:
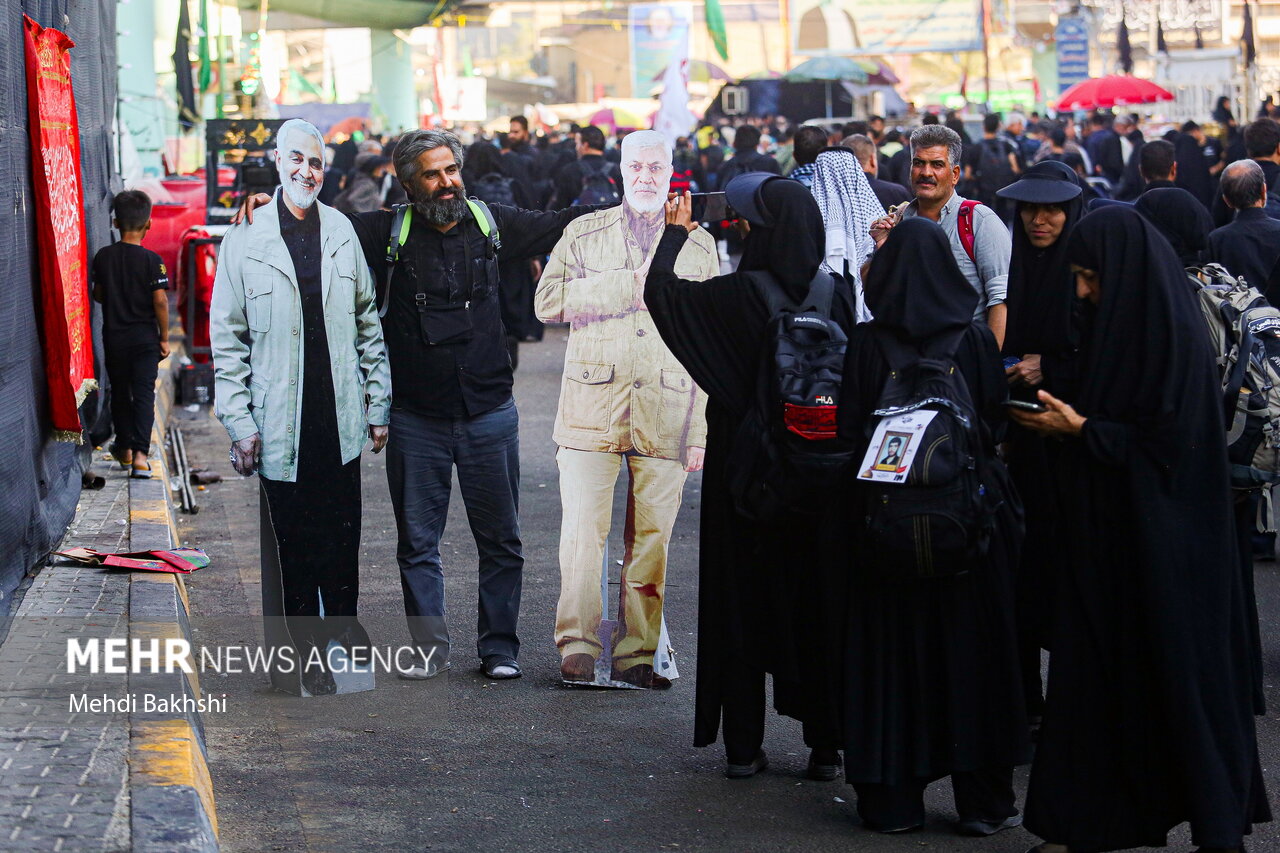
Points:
x=643, y=204
x=301, y=197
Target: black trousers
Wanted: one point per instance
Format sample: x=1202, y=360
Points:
x=980, y=795
x=132, y=370
x=310, y=557
x=743, y=712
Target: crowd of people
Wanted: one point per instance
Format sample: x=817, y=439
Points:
x=1056, y=299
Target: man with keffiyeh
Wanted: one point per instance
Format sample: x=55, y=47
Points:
x=848, y=208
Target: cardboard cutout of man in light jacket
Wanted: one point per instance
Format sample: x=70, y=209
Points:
x=301, y=381
x=623, y=398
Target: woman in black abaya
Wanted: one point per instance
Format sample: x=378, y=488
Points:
x=930, y=684
x=761, y=588
x=1149, y=720
x=1042, y=333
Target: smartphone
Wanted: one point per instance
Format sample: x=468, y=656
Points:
x=711, y=207
x=1026, y=406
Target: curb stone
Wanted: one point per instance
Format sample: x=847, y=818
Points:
x=170, y=788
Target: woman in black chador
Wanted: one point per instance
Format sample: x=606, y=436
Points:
x=762, y=588
x=1043, y=335
x=1149, y=720
x=930, y=685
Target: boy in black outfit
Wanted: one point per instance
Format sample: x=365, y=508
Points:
x=131, y=283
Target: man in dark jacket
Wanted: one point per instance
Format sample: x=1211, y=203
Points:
x=887, y=192
x=1158, y=163
x=569, y=180
x=1262, y=144
x=1249, y=245
x=745, y=156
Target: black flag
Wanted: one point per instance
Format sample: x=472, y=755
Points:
x=1246, y=37
x=1161, y=45
x=1126, y=50
x=188, y=108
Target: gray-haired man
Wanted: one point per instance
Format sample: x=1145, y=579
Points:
x=980, y=242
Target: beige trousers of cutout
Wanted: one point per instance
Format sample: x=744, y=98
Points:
x=587, y=480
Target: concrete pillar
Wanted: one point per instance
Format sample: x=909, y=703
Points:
x=141, y=110
x=394, y=100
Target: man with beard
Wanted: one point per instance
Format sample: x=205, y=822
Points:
x=623, y=397
x=301, y=379
x=979, y=240
x=451, y=378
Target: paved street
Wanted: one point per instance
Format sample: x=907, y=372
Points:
x=461, y=763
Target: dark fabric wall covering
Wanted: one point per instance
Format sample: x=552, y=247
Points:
x=39, y=478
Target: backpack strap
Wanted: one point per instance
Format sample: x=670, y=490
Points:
x=964, y=227
x=488, y=225
x=396, y=238
x=821, y=294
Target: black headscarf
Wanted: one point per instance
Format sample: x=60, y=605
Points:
x=1181, y=218
x=1145, y=324
x=1042, y=290
x=914, y=287
x=792, y=249
x=1193, y=169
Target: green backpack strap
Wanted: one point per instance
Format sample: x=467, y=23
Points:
x=400, y=224
x=488, y=225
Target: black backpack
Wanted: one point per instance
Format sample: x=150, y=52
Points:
x=598, y=186
x=994, y=171
x=933, y=517
x=494, y=188
x=786, y=456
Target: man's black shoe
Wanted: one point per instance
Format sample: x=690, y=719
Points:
x=746, y=771
x=824, y=765
x=980, y=828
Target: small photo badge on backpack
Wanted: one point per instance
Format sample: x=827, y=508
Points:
x=893, y=447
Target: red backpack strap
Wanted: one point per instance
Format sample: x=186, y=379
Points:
x=964, y=227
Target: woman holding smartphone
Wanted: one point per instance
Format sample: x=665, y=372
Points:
x=1040, y=345
x=1149, y=716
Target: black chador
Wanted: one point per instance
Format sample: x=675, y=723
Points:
x=1149, y=719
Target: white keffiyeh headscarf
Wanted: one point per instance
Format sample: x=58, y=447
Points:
x=848, y=208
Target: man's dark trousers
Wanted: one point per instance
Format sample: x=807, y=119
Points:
x=132, y=369
x=421, y=454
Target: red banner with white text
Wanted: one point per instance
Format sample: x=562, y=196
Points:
x=60, y=232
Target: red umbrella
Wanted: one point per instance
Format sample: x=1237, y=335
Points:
x=1116, y=90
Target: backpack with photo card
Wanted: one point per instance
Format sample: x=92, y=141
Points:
x=786, y=456
x=936, y=517
x=1244, y=330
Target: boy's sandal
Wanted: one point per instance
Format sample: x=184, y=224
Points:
x=124, y=458
x=141, y=473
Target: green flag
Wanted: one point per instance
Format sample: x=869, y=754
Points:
x=206, y=63
x=715, y=27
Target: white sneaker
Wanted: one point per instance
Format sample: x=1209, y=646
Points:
x=421, y=673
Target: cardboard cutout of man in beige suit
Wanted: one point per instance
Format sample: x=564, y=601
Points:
x=623, y=398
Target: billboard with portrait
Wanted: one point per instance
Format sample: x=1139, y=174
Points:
x=659, y=33
x=846, y=27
